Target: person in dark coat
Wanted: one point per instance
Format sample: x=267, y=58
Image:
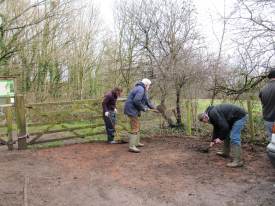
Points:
x=228, y=121
x=267, y=97
x=136, y=103
x=109, y=113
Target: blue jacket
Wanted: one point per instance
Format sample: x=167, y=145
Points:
x=137, y=101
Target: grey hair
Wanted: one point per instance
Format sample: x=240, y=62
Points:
x=202, y=116
x=146, y=81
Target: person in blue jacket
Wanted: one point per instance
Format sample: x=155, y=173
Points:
x=136, y=103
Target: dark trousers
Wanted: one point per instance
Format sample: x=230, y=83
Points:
x=110, y=122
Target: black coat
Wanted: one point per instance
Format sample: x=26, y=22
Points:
x=109, y=102
x=222, y=117
x=267, y=96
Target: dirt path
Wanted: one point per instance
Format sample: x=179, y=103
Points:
x=169, y=171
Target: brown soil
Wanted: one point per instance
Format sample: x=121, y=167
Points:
x=169, y=171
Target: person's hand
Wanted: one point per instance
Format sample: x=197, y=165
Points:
x=115, y=110
x=218, y=141
x=212, y=144
x=215, y=141
x=106, y=114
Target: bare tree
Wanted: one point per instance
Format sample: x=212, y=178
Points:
x=128, y=51
x=17, y=19
x=171, y=40
x=85, y=53
x=216, y=66
x=253, y=27
x=52, y=46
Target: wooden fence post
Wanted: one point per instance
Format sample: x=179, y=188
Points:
x=250, y=119
x=194, y=109
x=188, y=118
x=21, y=121
x=8, y=114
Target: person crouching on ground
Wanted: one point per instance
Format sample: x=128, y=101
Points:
x=109, y=113
x=136, y=103
x=228, y=121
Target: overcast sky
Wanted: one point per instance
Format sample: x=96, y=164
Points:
x=208, y=11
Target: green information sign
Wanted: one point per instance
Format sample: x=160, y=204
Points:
x=6, y=88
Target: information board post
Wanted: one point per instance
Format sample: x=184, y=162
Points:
x=7, y=97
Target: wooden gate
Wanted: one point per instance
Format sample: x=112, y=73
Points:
x=59, y=121
x=38, y=123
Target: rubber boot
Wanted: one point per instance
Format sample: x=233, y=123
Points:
x=132, y=143
x=226, y=149
x=138, y=144
x=125, y=139
x=236, y=153
x=110, y=139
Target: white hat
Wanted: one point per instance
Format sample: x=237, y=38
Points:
x=146, y=81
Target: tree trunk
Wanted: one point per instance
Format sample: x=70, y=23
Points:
x=178, y=110
x=162, y=109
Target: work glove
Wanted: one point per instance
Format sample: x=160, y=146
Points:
x=106, y=114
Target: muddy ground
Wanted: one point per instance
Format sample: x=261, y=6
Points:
x=169, y=171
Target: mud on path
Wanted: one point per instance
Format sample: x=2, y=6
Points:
x=169, y=171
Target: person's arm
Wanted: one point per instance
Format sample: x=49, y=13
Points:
x=105, y=103
x=138, y=99
x=221, y=128
x=215, y=133
x=216, y=137
x=115, y=108
x=149, y=103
